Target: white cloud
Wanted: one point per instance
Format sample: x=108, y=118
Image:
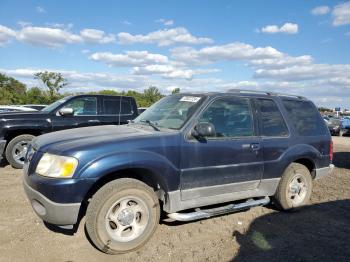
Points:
x=40, y=9
x=164, y=37
x=282, y=62
x=130, y=58
x=230, y=52
x=170, y=71
x=83, y=81
x=59, y=25
x=126, y=22
x=320, y=10
x=54, y=35
x=307, y=72
x=97, y=36
x=165, y=22
x=341, y=14
x=6, y=34
x=48, y=37
x=164, y=70
x=287, y=28
x=24, y=23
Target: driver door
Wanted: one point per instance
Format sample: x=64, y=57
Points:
x=85, y=114
x=231, y=161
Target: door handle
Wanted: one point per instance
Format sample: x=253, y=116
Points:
x=255, y=146
x=94, y=121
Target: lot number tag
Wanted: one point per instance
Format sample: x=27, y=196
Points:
x=192, y=99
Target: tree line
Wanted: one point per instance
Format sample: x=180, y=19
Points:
x=13, y=92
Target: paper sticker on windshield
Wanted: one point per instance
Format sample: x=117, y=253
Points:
x=192, y=99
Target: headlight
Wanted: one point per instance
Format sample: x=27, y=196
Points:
x=336, y=127
x=56, y=166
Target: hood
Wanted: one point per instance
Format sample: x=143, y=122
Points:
x=80, y=139
x=19, y=115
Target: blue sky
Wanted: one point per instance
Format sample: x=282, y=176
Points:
x=300, y=47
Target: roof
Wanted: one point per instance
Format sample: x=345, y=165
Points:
x=247, y=92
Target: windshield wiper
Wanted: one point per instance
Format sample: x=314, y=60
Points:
x=152, y=124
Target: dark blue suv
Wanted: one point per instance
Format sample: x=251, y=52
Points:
x=191, y=156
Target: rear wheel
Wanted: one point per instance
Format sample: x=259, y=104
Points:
x=16, y=150
x=122, y=216
x=295, y=187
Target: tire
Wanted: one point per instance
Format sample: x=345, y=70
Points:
x=109, y=223
x=16, y=150
x=295, y=187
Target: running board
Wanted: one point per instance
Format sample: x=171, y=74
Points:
x=206, y=213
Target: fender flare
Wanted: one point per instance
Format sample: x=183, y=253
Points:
x=165, y=172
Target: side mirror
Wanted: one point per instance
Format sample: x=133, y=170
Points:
x=66, y=111
x=204, y=129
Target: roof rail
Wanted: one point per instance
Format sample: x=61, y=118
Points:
x=243, y=91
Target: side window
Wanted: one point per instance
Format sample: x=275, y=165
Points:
x=271, y=121
x=83, y=106
x=305, y=117
x=113, y=106
x=231, y=117
x=126, y=108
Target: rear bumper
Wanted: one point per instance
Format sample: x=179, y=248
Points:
x=2, y=148
x=52, y=212
x=321, y=172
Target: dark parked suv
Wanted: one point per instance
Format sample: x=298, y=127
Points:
x=183, y=155
x=18, y=129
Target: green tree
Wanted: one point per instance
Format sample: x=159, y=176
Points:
x=324, y=109
x=152, y=95
x=176, y=90
x=53, y=81
x=36, y=95
x=11, y=90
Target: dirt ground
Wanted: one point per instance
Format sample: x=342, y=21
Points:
x=320, y=231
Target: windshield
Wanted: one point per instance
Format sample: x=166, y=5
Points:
x=52, y=106
x=172, y=111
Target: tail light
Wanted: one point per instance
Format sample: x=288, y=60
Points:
x=331, y=150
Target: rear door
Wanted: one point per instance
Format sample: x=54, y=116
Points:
x=85, y=114
x=231, y=161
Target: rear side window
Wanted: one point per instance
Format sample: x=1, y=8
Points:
x=305, y=117
x=271, y=121
x=114, y=106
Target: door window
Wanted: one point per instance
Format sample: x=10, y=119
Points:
x=83, y=106
x=114, y=106
x=231, y=117
x=271, y=120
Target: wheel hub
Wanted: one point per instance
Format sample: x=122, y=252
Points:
x=126, y=217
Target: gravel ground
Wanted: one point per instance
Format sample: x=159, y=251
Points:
x=320, y=231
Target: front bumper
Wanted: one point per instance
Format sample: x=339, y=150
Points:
x=2, y=148
x=52, y=212
x=321, y=172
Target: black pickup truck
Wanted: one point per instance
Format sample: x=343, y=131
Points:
x=17, y=129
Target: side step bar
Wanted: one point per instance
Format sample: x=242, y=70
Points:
x=206, y=213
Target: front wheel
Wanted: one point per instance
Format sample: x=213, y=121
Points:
x=295, y=187
x=16, y=150
x=122, y=216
